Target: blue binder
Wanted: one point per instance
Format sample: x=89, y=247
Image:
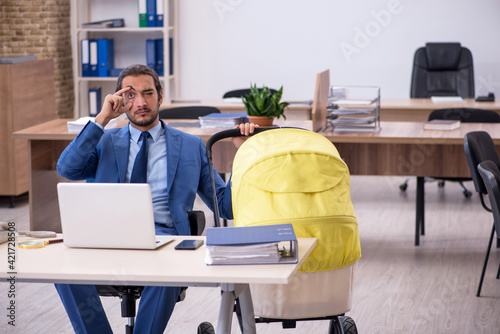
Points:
x=171, y=55
x=159, y=13
x=105, y=56
x=94, y=72
x=151, y=53
x=159, y=68
x=219, y=238
x=94, y=101
x=151, y=13
x=85, y=57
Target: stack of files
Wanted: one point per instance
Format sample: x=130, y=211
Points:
x=222, y=120
x=97, y=57
x=266, y=244
x=151, y=13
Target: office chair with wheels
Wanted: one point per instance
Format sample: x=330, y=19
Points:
x=442, y=69
x=241, y=92
x=479, y=147
x=189, y=112
x=465, y=115
x=130, y=294
x=491, y=178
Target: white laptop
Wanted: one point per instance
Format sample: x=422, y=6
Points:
x=108, y=215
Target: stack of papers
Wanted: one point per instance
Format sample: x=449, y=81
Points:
x=438, y=99
x=78, y=124
x=253, y=253
x=441, y=124
x=222, y=120
x=268, y=244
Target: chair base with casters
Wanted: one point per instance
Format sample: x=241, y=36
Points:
x=441, y=182
x=130, y=294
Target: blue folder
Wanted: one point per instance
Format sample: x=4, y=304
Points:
x=105, y=56
x=94, y=101
x=159, y=57
x=85, y=57
x=94, y=71
x=151, y=53
x=151, y=13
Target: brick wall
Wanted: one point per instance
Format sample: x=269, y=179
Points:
x=41, y=28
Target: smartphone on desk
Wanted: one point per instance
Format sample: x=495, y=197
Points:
x=189, y=244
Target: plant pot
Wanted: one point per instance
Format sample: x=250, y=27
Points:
x=261, y=120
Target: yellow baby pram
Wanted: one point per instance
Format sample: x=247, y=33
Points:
x=296, y=176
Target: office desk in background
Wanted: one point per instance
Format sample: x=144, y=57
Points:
x=400, y=148
x=55, y=263
x=418, y=110
x=391, y=110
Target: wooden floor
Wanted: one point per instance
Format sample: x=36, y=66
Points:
x=399, y=288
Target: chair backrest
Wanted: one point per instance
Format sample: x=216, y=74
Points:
x=466, y=115
x=241, y=92
x=189, y=112
x=479, y=147
x=442, y=69
x=491, y=177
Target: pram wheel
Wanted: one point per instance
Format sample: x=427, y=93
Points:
x=206, y=328
x=342, y=325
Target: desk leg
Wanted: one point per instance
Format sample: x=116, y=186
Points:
x=229, y=293
x=420, y=210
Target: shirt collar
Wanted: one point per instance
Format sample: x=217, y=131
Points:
x=155, y=132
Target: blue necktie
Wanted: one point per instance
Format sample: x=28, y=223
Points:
x=139, y=171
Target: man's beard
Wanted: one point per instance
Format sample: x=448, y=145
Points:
x=144, y=121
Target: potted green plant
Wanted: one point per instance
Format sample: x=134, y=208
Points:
x=263, y=106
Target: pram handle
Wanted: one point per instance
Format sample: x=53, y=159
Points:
x=230, y=133
x=211, y=141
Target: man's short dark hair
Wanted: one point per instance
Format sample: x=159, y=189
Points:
x=136, y=70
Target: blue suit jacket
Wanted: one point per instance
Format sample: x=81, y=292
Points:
x=103, y=157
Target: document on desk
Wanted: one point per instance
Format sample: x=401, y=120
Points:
x=438, y=99
x=267, y=244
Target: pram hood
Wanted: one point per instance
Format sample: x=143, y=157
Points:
x=297, y=176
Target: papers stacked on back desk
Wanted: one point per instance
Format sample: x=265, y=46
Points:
x=222, y=120
x=267, y=244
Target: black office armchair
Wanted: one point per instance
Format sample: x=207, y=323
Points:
x=491, y=178
x=241, y=92
x=129, y=294
x=442, y=69
x=188, y=112
x=479, y=147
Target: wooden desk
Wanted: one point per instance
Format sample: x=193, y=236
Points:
x=55, y=263
x=400, y=148
x=418, y=110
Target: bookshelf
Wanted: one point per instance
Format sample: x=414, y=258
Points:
x=129, y=44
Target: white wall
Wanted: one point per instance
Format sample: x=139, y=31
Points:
x=227, y=44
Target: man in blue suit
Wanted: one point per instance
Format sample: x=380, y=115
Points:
x=177, y=170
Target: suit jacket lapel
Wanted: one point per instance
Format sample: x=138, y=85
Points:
x=121, y=144
x=173, y=153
